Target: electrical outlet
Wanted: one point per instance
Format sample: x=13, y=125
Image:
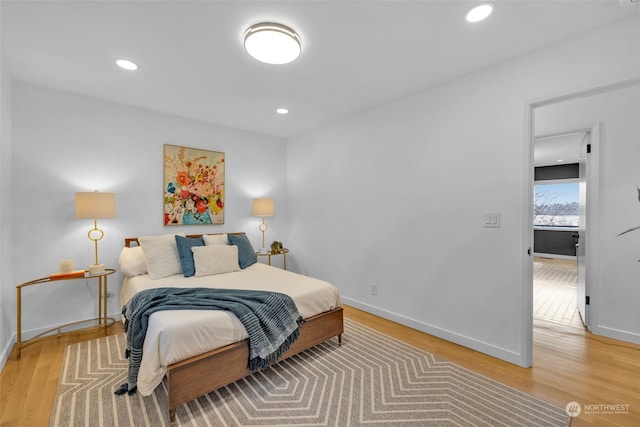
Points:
x=374, y=289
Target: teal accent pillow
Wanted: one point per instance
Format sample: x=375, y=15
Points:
x=184, y=245
x=246, y=254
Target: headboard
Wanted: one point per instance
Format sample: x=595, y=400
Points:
x=133, y=241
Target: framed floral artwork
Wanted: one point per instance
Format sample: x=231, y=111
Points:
x=193, y=186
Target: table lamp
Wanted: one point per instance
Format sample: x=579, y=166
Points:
x=95, y=205
x=263, y=207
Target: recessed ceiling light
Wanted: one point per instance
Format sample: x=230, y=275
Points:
x=480, y=12
x=127, y=65
x=272, y=43
x=282, y=111
x=559, y=160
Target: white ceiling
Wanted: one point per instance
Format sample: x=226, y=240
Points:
x=356, y=54
x=558, y=149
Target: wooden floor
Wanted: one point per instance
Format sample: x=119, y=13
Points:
x=569, y=365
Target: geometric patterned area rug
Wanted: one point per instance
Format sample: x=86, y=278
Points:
x=371, y=380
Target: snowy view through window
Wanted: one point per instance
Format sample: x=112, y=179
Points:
x=556, y=205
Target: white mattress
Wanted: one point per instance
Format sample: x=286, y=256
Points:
x=173, y=336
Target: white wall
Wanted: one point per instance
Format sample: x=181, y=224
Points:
x=7, y=291
x=63, y=143
x=396, y=196
x=614, y=292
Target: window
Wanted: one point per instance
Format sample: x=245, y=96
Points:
x=556, y=204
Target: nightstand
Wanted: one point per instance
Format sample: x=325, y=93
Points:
x=103, y=322
x=269, y=254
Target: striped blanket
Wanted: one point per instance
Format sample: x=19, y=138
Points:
x=271, y=320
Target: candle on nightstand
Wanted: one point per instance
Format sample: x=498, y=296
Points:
x=66, y=266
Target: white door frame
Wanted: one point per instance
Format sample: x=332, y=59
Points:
x=526, y=350
x=591, y=177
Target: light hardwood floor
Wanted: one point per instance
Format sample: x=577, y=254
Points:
x=569, y=365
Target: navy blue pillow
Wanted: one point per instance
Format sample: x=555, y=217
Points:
x=246, y=254
x=186, y=255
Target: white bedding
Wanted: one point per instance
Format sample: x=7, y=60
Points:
x=173, y=336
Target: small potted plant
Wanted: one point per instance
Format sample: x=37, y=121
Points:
x=276, y=247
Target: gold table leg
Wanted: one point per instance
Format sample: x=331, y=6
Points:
x=104, y=303
x=19, y=315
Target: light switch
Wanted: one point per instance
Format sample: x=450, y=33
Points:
x=492, y=220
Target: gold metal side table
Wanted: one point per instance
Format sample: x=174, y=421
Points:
x=103, y=322
x=269, y=254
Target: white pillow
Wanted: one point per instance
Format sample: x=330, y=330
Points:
x=161, y=253
x=215, y=239
x=215, y=259
x=132, y=261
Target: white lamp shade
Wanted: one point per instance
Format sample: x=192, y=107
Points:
x=263, y=207
x=95, y=205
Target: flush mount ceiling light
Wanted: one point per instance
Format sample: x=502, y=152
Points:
x=282, y=111
x=479, y=12
x=127, y=65
x=272, y=43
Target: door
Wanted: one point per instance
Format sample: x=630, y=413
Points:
x=581, y=245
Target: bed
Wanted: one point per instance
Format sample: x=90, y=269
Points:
x=201, y=351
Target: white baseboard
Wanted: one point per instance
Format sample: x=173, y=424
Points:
x=6, y=351
x=483, y=347
x=618, y=334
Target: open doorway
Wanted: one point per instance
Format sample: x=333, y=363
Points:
x=559, y=210
x=610, y=263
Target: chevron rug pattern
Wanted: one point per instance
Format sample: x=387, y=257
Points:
x=371, y=380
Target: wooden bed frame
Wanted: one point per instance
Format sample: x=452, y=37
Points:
x=204, y=373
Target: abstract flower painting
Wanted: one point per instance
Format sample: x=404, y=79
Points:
x=193, y=186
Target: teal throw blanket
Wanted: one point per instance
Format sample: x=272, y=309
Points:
x=271, y=320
